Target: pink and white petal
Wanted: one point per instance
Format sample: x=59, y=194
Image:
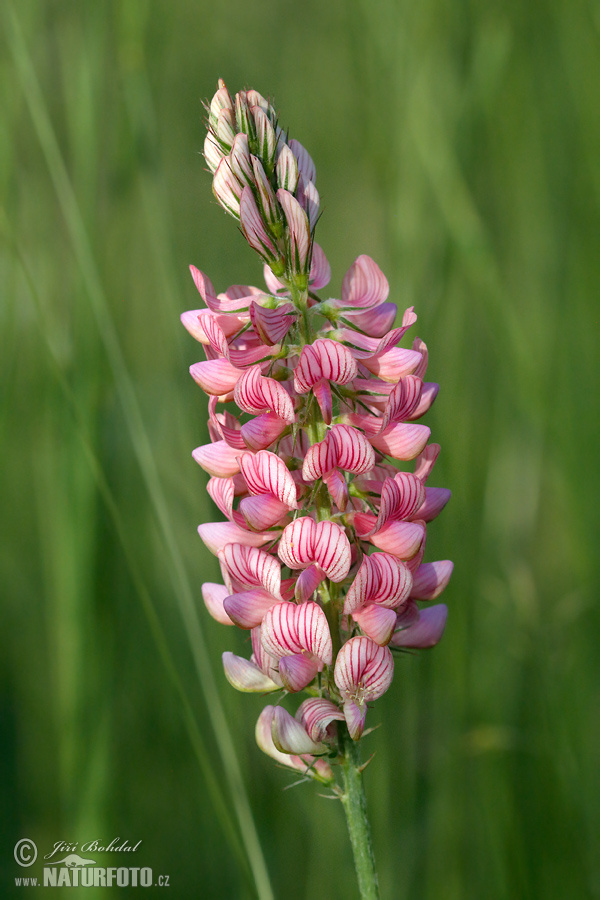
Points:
x=261, y=432
x=218, y=459
x=297, y=544
x=332, y=550
x=204, y=286
x=312, y=631
x=213, y=596
x=273, y=283
x=252, y=567
x=272, y=325
x=297, y=671
x=431, y=579
x=320, y=458
x=392, y=364
x=264, y=740
x=364, y=284
x=317, y=714
x=262, y=512
x=401, y=539
x=364, y=586
x=320, y=270
x=290, y=736
x=426, y=632
x=353, y=450
x=307, y=583
x=430, y=392
x=377, y=622
x=256, y=394
x=245, y=676
x=426, y=461
x=355, y=719
x=266, y=473
x=221, y=491
x=216, y=376
x=401, y=441
x=247, y=609
x=217, y=535
x=325, y=359
x=278, y=631
x=216, y=336
x=395, y=580
x=435, y=500
x=192, y=322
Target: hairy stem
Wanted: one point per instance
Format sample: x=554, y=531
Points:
x=355, y=807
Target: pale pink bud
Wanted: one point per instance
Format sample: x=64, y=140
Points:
x=306, y=165
x=244, y=118
x=287, y=170
x=244, y=675
x=213, y=152
x=266, y=139
x=319, y=769
x=227, y=188
x=290, y=736
x=254, y=230
x=308, y=198
x=225, y=128
x=266, y=198
x=239, y=160
x=298, y=232
x=220, y=101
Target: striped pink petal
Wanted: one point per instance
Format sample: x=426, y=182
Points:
x=247, y=609
x=377, y=622
x=213, y=596
x=364, y=284
x=319, y=769
x=272, y=324
x=382, y=579
x=257, y=394
x=403, y=400
x=325, y=359
x=322, y=391
x=401, y=497
x=430, y=392
x=338, y=489
x=216, y=535
x=420, y=346
x=430, y=579
x=252, y=567
x=288, y=629
x=244, y=675
x=402, y=441
x=332, y=550
x=265, y=473
x=363, y=670
x=297, y=544
x=262, y=512
x=216, y=376
x=218, y=459
x=262, y=431
x=320, y=458
x=392, y=364
x=253, y=228
x=354, y=453
x=317, y=714
x=426, y=632
x=307, y=583
x=290, y=736
x=221, y=491
x=205, y=288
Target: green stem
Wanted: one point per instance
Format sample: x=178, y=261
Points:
x=355, y=807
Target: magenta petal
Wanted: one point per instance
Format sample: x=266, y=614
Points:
x=307, y=583
x=296, y=672
x=402, y=441
x=262, y=512
x=217, y=535
x=401, y=539
x=426, y=632
x=260, y=433
x=377, y=622
x=375, y=322
x=218, y=459
x=430, y=579
x=213, y=596
x=248, y=608
x=245, y=676
x=435, y=501
x=290, y=736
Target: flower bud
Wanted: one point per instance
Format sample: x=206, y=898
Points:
x=239, y=160
x=244, y=119
x=287, y=170
x=270, y=209
x=224, y=129
x=221, y=100
x=266, y=146
x=227, y=188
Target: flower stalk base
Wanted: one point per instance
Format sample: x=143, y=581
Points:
x=355, y=807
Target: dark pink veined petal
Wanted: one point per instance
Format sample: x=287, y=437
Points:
x=195, y=321
x=375, y=322
x=364, y=284
x=332, y=550
x=313, y=631
x=244, y=675
x=265, y=473
x=401, y=539
x=205, y=288
x=324, y=359
x=354, y=453
x=288, y=629
x=392, y=364
x=426, y=632
x=252, y=567
x=307, y=583
x=216, y=376
x=297, y=671
x=255, y=393
x=221, y=491
x=305, y=163
x=320, y=458
x=262, y=431
x=216, y=336
x=403, y=400
x=401, y=497
x=377, y=622
x=272, y=324
x=262, y=511
x=213, y=596
x=247, y=609
x=320, y=270
x=363, y=670
x=401, y=441
x=435, y=500
x=430, y=392
x=290, y=736
x=218, y=459
x=431, y=579
x=217, y=535
x=381, y=578
x=426, y=461
x=317, y=714
x=264, y=662
x=297, y=544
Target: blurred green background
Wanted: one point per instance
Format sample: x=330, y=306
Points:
x=456, y=142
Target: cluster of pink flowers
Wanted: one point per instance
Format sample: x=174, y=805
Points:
x=322, y=549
